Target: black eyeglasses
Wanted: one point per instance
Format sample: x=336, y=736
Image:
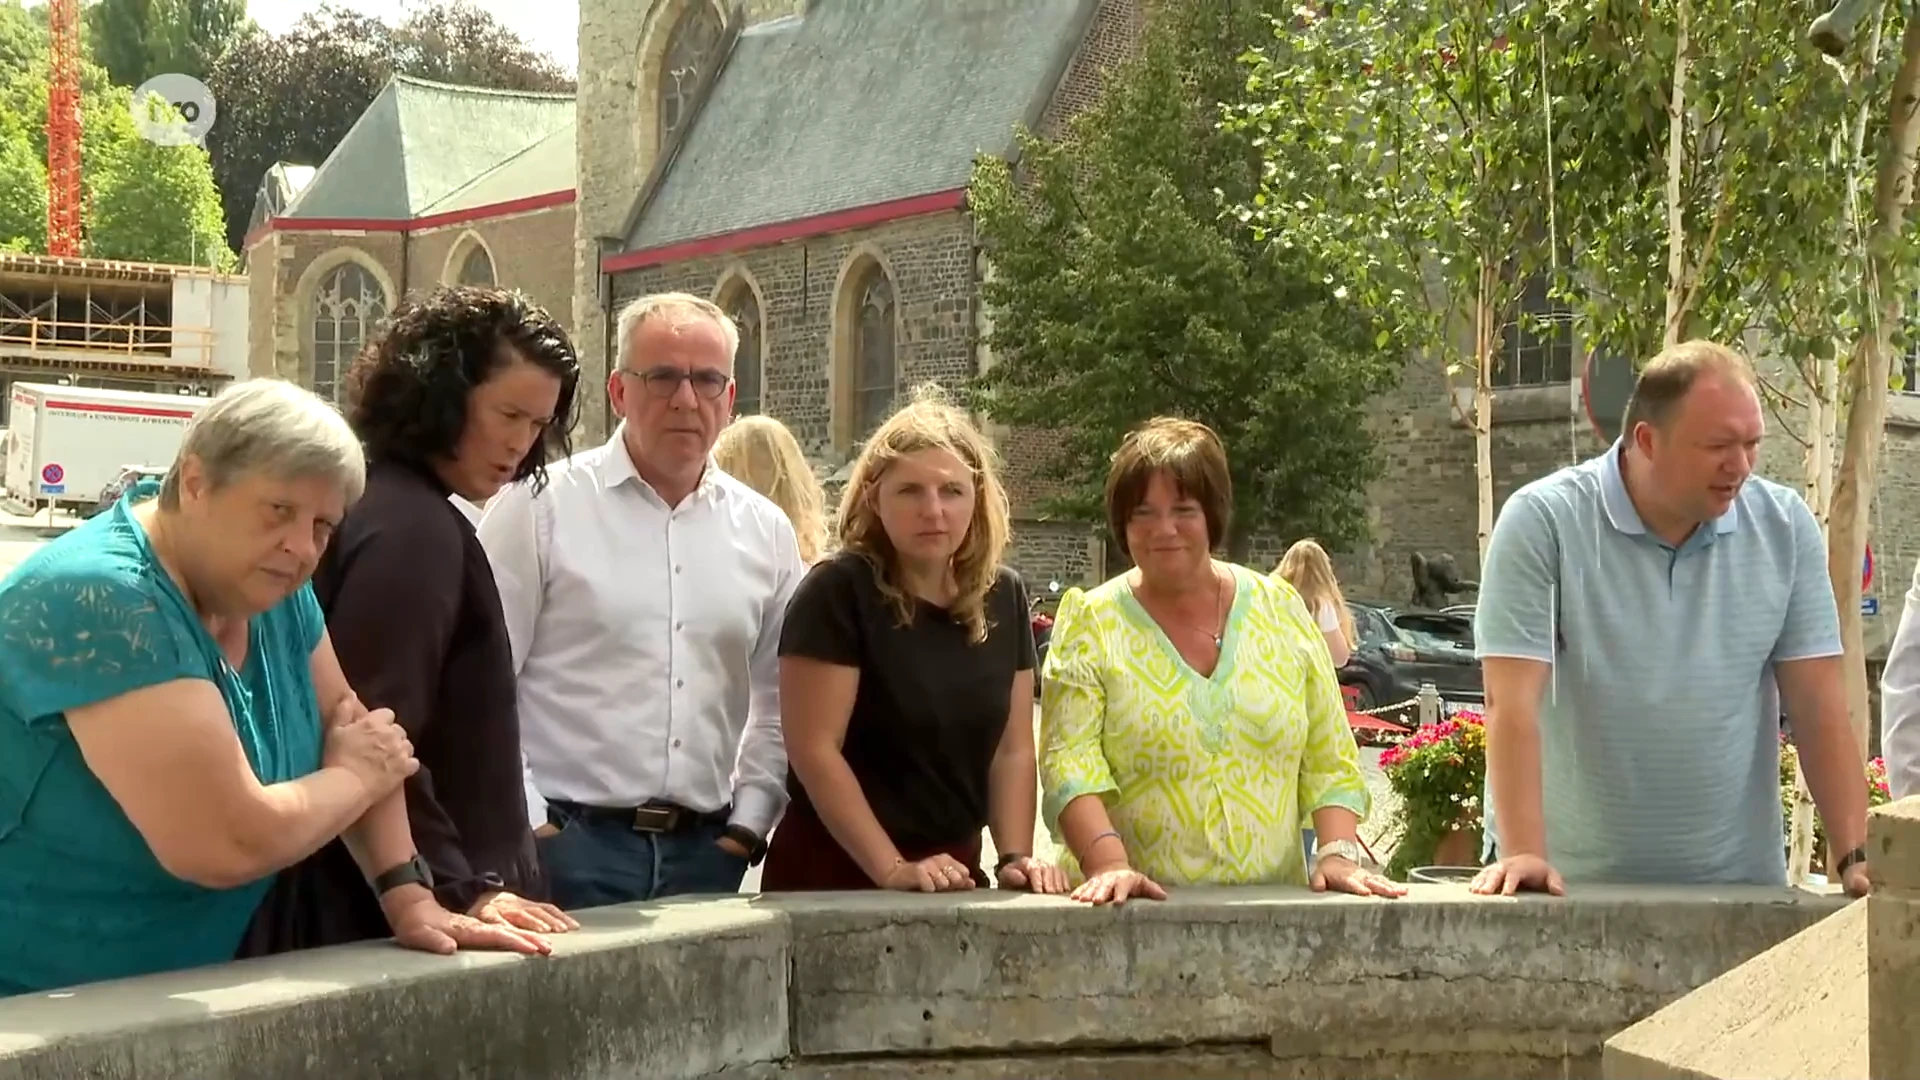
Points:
x=664, y=382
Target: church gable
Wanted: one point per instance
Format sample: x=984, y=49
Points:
x=858, y=103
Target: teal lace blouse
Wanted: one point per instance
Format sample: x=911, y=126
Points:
x=89, y=617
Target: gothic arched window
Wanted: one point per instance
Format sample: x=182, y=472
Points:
x=876, y=372
x=748, y=360
x=476, y=268
x=346, y=305
x=689, y=50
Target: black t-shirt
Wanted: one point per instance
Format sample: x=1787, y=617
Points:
x=931, y=706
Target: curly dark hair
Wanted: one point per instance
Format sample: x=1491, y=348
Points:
x=407, y=390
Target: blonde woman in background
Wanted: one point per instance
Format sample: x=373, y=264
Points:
x=761, y=453
x=1306, y=567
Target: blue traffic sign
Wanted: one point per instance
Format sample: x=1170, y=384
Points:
x=1869, y=605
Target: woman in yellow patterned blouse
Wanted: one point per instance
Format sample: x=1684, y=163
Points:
x=1191, y=716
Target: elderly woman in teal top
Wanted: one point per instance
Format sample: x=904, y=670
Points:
x=1191, y=716
x=174, y=728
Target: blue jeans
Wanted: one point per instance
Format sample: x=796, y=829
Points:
x=593, y=863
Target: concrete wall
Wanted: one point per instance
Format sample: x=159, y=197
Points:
x=1834, y=1001
x=1250, y=982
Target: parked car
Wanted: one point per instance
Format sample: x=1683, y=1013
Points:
x=1399, y=650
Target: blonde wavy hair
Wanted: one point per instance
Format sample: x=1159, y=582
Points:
x=930, y=422
x=1306, y=567
x=761, y=453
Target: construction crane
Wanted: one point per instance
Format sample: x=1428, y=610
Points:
x=63, y=130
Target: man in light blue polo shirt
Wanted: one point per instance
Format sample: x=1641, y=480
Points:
x=1641, y=617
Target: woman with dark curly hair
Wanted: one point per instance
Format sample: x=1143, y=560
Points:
x=463, y=392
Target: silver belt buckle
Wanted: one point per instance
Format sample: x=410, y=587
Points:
x=654, y=819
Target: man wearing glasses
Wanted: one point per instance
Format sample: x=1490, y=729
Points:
x=644, y=590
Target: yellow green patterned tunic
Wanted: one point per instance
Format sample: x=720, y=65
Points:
x=1208, y=780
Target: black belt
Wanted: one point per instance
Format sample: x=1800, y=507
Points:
x=654, y=817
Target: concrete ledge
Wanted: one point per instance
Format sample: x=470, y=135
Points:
x=1797, y=1010
x=851, y=985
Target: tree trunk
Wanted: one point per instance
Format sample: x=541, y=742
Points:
x=1866, y=393
x=1676, y=166
x=1823, y=414
x=1485, y=333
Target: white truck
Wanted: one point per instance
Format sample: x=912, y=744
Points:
x=65, y=444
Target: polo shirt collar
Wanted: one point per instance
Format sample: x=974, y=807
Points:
x=1619, y=505
x=616, y=468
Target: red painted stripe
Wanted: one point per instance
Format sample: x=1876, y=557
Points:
x=860, y=217
x=118, y=410
x=431, y=221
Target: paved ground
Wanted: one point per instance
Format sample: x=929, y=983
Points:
x=19, y=538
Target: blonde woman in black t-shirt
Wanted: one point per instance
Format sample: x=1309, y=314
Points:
x=906, y=679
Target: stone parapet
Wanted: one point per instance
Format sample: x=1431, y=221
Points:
x=1893, y=942
x=1214, y=982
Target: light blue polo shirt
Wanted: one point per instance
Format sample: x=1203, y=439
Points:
x=1659, y=727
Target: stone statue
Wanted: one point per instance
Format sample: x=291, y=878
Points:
x=1437, y=579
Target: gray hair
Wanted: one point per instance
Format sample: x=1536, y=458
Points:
x=670, y=303
x=272, y=427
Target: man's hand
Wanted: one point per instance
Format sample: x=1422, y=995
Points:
x=732, y=847
x=544, y=831
x=508, y=909
x=1857, y=880
x=1517, y=872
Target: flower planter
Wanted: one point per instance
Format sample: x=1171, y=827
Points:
x=1461, y=847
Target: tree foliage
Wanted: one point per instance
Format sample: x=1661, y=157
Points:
x=23, y=193
x=138, y=39
x=1121, y=289
x=1771, y=209
x=155, y=203
x=292, y=97
x=1404, y=147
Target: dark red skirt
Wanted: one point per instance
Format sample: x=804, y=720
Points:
x=804, y=857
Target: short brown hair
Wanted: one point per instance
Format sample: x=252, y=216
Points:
x=1190, y=455
x=1667, y=378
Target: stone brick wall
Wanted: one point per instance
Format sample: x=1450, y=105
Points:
x=930, y=262
x=531, y=252
x=1113, y=37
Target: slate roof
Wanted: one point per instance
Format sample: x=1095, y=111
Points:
x=859, y=102
x=421, y=142
x=545, y=167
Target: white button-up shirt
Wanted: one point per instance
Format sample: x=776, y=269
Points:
x=646, y=637
x=1900, y=701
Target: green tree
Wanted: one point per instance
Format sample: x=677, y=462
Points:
x=1403, y=147
x=23, y=38
x=23, y=194
x=138, y=39
x=155, y=203
x=1120, y=289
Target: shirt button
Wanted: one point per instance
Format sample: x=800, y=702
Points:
x=676, y=744
x=679, y=626
x=679, y=683
x=676, y=569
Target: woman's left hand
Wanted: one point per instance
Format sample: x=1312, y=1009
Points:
x=508, y=909
x=1033, y=875
x=424, y=925
x=1343, y=875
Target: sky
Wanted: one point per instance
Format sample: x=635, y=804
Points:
x=550, y=26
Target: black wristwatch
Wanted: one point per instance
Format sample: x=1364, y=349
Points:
x=747, y=838
x=412, y=872
x=1849, y=861
x=1007, y=860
